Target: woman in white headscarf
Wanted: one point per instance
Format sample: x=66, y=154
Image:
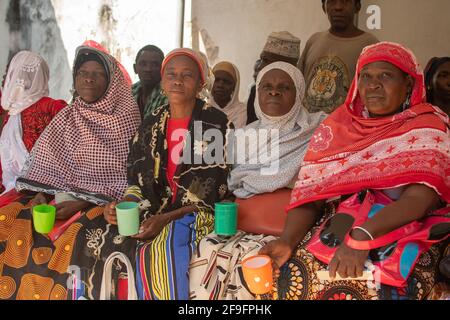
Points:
x=291, y=125
x=225, y=93
x=278, y=106
x=29, y=111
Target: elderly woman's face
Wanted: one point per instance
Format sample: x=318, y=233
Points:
x=276, y=93
x=383, y=88
x=181, y=80
x=91, y=81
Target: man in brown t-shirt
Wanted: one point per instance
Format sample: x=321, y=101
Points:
x=329, y=58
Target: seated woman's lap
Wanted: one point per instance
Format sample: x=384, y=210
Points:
x=178, y=241
x=82, y=248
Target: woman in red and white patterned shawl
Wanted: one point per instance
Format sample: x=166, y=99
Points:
x=384, y=137
x=83, y=152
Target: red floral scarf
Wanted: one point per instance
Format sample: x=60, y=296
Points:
x=350, y=152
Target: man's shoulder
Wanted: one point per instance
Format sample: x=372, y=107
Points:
x=369, y=38
x=316, y=36
x=314, y=40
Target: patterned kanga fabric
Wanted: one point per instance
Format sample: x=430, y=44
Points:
x=216, y=273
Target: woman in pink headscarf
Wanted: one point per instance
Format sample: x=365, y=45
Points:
x=98, y=46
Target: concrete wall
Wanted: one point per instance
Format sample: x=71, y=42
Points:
x=423, y=26
x=4, y=35
x=55, y=28
x=238, y=28
x=233, y=30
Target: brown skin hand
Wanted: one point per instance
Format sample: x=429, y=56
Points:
x=64, y=210
x=413, y=205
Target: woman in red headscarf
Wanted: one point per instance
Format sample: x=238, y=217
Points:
x=98, y=46
x=385, y=137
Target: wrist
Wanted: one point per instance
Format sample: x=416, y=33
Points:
x=291, y=243
x=359, y=235
x=85, y=205
x=131, y=198
x=171, y=216
x=48, y=197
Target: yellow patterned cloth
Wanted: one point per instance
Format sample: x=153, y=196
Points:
x=32, y=267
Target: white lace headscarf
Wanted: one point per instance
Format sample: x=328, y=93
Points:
x=294, y=133
x=26, y=83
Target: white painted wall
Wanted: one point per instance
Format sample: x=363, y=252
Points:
x=4, y=36
x=423, y=26
x=240, y=27
x=58, y=27
x=137, y=23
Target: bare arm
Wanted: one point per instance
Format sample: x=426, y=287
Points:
x=415, y=202
x=152, y=227
x=299, y=221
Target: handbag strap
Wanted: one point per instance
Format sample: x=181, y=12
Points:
x=105, y=291
x=383, y=240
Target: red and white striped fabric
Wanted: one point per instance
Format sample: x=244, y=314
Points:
x=350, y=152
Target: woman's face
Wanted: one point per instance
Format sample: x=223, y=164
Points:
x=91, y=81
x=223, y=88
x=383, y=88
x=276, y=93
x=181, y=80
x=441, y=82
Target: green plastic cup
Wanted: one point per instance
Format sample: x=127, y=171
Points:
x=44, y=216
x=128, y=218
x=225, y=222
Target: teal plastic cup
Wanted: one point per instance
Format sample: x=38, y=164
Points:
x=128, y=218
x=225, y=222
x=44, y=216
